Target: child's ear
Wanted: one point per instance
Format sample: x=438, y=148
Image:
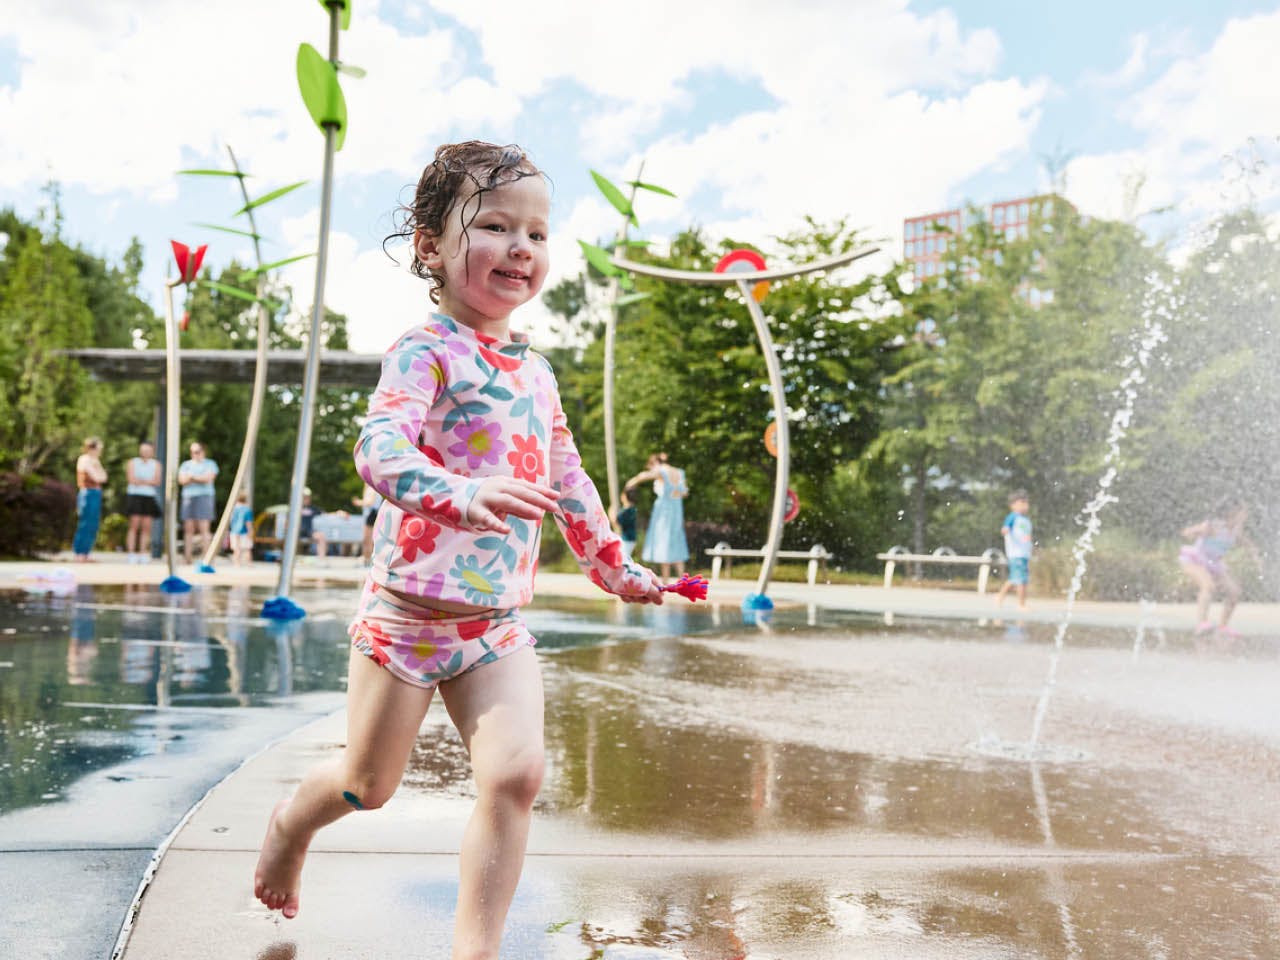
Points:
x=427, y=247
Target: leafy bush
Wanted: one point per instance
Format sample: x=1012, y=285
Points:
x=36, y=514
x=112, y=531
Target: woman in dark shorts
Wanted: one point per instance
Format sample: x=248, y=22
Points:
x=196, y=479
x=142, y=504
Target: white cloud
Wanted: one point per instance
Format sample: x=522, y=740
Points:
x=1206, y=122
x=176, y=81
x=1128, y=72
x=878, y=111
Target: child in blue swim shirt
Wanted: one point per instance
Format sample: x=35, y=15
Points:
x=1016, y=530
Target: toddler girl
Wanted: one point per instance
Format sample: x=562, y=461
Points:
x=467, y=441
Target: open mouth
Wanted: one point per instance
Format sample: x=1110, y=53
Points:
x=512, y=274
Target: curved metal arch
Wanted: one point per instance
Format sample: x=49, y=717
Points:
x=745, y=281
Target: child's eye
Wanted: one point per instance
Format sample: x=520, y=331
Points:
x=538, y=235
x=496, y=227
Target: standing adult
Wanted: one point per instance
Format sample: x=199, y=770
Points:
x=142, y=504
x=196, y=477
x=664, y=542
x=90, y=476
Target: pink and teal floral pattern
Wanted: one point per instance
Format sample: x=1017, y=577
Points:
x=452, y=408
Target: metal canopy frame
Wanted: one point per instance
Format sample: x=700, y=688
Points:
x=745, y=280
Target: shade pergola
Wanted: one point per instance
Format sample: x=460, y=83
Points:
x=337, y=368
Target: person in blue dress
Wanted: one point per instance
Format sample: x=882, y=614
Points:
x=664, y=543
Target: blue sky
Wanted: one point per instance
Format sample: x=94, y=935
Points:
x=873, y=110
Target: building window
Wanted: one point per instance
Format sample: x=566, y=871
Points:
x=1011, y=233
x=910, y=231
x=942, y=244
x=955, y=223
x=997, y=216
x=1023, y=210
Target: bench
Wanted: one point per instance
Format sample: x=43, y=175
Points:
x=345, y=533
x=722, y=557
x=895, y=555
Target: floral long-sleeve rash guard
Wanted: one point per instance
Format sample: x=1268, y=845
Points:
x=452, y=407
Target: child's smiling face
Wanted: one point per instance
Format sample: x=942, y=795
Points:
x=1021, y=506
x=499, y=261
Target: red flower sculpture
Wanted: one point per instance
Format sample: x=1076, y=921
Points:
x=188, y=262
x=692, y=587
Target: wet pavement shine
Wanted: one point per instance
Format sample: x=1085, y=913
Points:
x=845, y=788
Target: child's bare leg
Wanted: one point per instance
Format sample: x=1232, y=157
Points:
x=1231, y=597
x=383, y=717
x=666, y=570
x=1022, y=596
x=1203, y=580
x=680, y=569
x=498, y=711
x=1003, y=592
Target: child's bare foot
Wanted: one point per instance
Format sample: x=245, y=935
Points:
x=277, y=878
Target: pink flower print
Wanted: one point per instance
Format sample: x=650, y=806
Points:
x=526, y=458
x=423, y=651
x=433, y=372
x=415, y=586
x=479, y=442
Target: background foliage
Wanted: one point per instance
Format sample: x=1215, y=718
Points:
x=915, y=407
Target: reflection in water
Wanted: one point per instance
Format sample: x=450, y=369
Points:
x=82, y=651
x=102, y=675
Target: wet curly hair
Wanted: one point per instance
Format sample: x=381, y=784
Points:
x=459, y=176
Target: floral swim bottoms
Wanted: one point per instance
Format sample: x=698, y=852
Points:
x=426, y=647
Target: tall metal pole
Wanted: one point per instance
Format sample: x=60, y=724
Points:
x=173, y=412
x=244, y=471
x=610, y=342
x=782, y=474
x=311, y=375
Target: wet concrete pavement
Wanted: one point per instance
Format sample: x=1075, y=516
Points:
x=858, y=791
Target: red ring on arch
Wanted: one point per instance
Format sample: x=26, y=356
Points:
x=740, y=256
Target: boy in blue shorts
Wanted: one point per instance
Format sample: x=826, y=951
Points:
x=1017, y=547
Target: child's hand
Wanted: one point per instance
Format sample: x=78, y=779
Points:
x=652, y=590
x=499, y=496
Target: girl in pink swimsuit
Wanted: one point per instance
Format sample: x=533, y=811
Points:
x=1204, y=562
x=467, y=442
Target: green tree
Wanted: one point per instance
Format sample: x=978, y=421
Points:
x=1210, y=428
x=43, y=308
x=1008, y=378
x=691, y=381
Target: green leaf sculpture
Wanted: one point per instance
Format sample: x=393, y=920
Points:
x=599, y=258
x=321, y=92
x=267, y=267
x=615, y=197
x=239, y=233
x=268, y=197
x=653, y=187
x=213, y=173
